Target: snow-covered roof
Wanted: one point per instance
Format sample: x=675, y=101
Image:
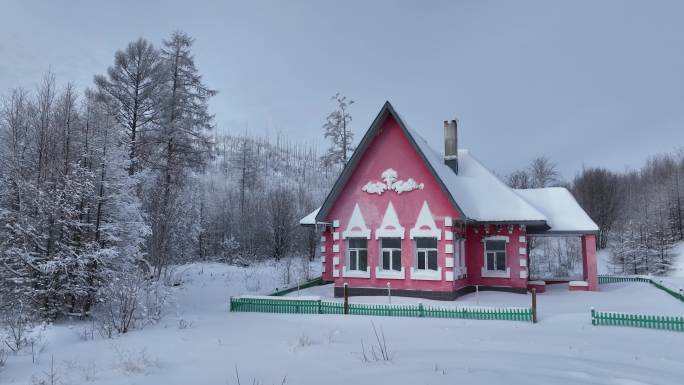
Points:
x=310, y=219
x=563, y=213
x=478, y=194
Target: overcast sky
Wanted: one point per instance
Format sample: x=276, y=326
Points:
x=593, y=83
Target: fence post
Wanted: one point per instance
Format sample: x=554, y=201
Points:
x=534, y=305
x=593, y=320
x=389, y=292
x=346, y=298
x=420, y=309
x=319, y=307
x=230, y=306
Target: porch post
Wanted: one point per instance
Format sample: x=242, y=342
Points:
x=589, y=261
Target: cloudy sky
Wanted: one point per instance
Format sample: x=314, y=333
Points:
x=588, y=83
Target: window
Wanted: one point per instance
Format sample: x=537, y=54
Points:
x=495, y=255
x=391, y=253
x=357, y=254
x=426, y=254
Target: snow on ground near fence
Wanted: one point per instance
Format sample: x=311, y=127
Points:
x=309, y=349
x=556, y=302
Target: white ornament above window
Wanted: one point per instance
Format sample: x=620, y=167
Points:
x=391, y=183
x=425, y=224
x=390, y=226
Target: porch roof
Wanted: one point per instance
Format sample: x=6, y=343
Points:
x=563, y=214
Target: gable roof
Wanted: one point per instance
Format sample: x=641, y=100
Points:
x=477, y=193
x=386, y=111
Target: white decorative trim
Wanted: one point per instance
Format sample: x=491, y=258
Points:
x=449, y=276
x=390, y=274
x=336, y=223
x=322, y=248
x=523, y=274
x=495, y=273
x=449, y=262
x=336, y=260
x=495, y=238
x=449, y=248
x=448, y=222
x=390, y=227
x=322, y=258
x=355, y=273
x=578, y=283
x=448, y=235
x=336, y=236
x=425, y=224
x=522, y=239
x=426, y=275
x=523, y=262
x=391, y=183
x=336, y=248
x=322, y=238
x=323, y=269
x=523, y=250
x=336, y=273
x=356, y=228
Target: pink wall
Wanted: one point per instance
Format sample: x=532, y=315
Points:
x=589, y=261
x=390, y=149
x=475, y=253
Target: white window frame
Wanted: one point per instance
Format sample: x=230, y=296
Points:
x=380, y=272
x=460, y=258
x=425, y=274
x=486, y=272
x=356, y=273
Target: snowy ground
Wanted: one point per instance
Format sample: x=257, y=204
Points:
x=562, y=349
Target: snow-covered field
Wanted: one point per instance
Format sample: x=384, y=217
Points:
x=564, y=348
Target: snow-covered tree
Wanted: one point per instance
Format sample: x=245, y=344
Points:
x=337, y=130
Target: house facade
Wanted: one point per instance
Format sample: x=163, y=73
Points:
x=405, y=218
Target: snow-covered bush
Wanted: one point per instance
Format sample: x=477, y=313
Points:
x=17, y=326
x=134, y=362
x=129, y=300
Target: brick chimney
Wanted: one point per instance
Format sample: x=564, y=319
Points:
x=451, y=144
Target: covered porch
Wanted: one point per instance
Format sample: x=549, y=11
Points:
x=563, y=251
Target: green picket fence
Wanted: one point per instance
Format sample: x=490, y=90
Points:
x=267, y=305
x=637, y=320
x=616, y=279
x=678, y=295
x=316, y=306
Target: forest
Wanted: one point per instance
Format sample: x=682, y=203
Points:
x=103, y=190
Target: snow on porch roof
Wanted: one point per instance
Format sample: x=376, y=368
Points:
x=310, y=219
x=563, y=213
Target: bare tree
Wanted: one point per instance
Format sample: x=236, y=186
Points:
x=132, y=88
x=543, y=172
x=597, y=191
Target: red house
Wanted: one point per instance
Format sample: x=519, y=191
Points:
x=400, y=215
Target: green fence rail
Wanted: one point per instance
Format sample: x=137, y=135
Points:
x=310, y=306
x=315, y=282
x=637, y=320
x=679, y=296
x=616, y=279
